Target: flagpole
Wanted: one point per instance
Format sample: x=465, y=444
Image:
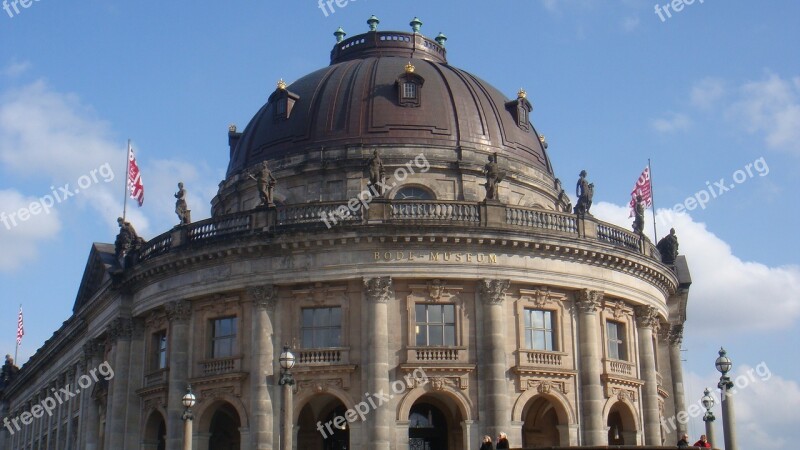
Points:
x=16, y=351
x=127, y=168
x=653, y=202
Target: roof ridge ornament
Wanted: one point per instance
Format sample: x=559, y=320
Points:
x=410, y=68
x=281, y=84
x=340, y=34
x=416, y=24
x=373, y=23
x=521, y=93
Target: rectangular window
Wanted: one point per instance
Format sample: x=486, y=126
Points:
x=539, y=330
x=160, y=350
x=321, y=327
x=409, y=90
x=436, y=325
x=615, y=334
x=224, y=338
x=281, y=107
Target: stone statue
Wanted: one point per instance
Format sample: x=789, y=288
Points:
x=8, y=372
x=266, y=183
x=127, y=239
x=638, y=222
x=184, y=215
x=668, y=247
x=493, y=177
x=377, y=173
x=584, y=191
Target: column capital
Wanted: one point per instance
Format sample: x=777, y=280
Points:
x=178, y=311
x=120, y=328
x=493, y=291
x=646, y=316
x=379, y=290
x=264, y=297
x=675, y=335
x=589, y=301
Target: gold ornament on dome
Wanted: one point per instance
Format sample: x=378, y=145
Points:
x=281, y=84
x=410, y=67
x=521, y=93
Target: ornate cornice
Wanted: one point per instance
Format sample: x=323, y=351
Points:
x=675, y=335
x=588, y=301
x=493, y=291
x=178, y=311
x=378, y=290
x=646, y=317
x=120, y=328
x=264, y=297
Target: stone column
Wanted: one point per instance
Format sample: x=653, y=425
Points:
x=261, y=366
x=646, y=322
x=676, y=370
x=178, y=313
x=592, y=399
x=498, y=410
x=119, y=332
x=90, y=412
x=133, y=415
x=378, y=292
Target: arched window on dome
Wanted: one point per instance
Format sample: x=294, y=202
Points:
x=520, y=108
x=409, y=87
x=414, y=193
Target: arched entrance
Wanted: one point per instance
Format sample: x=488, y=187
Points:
x=621, y=425
x=224, y=429
x=435, y=423
x=155, y=432
x=540, y=428
x=316, y=427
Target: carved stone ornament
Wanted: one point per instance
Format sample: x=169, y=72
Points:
x=493, y=291
x=617, y=309
x=92, y=348
x=646, y=316
x=264, y=297
x=438, y=290
x=588, y=301
x=178, y=310
x=676, y=335
x=379, y=290
x=437, y=383
x=120, y=328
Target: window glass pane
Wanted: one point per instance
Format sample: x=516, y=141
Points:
x=434, y=314
x=321, y=317
x=422, y=337
x=308, y=338
x=538, y=340
x=335, y=336
x=528, y=339
x=528, y=313
x=450, y=335
x=449, y=314
x=612, y=331
x=336, y=317
x=233, y=327
x=419, y=310
x=548, y=341
x=308, y=317
x=321, y=337
x=435, y=337
x=548, y=320
x=538, y=319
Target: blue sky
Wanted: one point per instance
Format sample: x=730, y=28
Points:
x=703, y=94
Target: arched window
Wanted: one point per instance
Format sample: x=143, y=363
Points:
x=413, y=193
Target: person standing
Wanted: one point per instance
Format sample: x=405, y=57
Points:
x=502, y=441
x=684, y=441
x=703, y=442
x=486, y=443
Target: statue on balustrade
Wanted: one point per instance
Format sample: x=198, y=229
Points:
x=377, y=174
x=493, y=178
x=668, y=247
x=638, y=222
x=8, y=372
x=584, y=191
x=128, y=242
x=184, y=215
x=265, y=181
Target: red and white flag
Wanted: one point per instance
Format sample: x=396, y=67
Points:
x=643, y=188
x=20, y=328
x=135, y=185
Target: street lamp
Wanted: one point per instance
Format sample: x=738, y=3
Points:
x=724, y=365
x=287, y=361
x=188, y=401
x=708, y=418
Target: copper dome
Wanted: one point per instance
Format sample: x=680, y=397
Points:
x=354, y=102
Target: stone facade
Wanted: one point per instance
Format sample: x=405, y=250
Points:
x=438, y=320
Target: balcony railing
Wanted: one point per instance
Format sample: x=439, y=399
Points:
x=620, y=368
x=397, y=212
x=220, y=366
x=540, y=358
x=156, y=378
x=322, y=356
x=437, y=355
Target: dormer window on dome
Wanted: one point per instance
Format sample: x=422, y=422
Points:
x=283, y=101
x=520, y=108
x=409, y=87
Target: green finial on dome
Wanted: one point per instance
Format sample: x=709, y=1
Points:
x=441, y=39
x=340, y=34
x=416, y=24
x=373, y=23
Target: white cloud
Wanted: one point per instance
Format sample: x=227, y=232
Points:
x=672, y=123
x=630, y=24
x=724, y=286
x=707, y=92
x=772, y=107
x=765, y=405
x=16, y=68
x=19, y=236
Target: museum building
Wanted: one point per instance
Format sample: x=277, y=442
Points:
x=396, y=223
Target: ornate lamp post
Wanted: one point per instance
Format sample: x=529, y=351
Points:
x=287, y=362
x=724, y=364
x=188, y=401
x=708, y=418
